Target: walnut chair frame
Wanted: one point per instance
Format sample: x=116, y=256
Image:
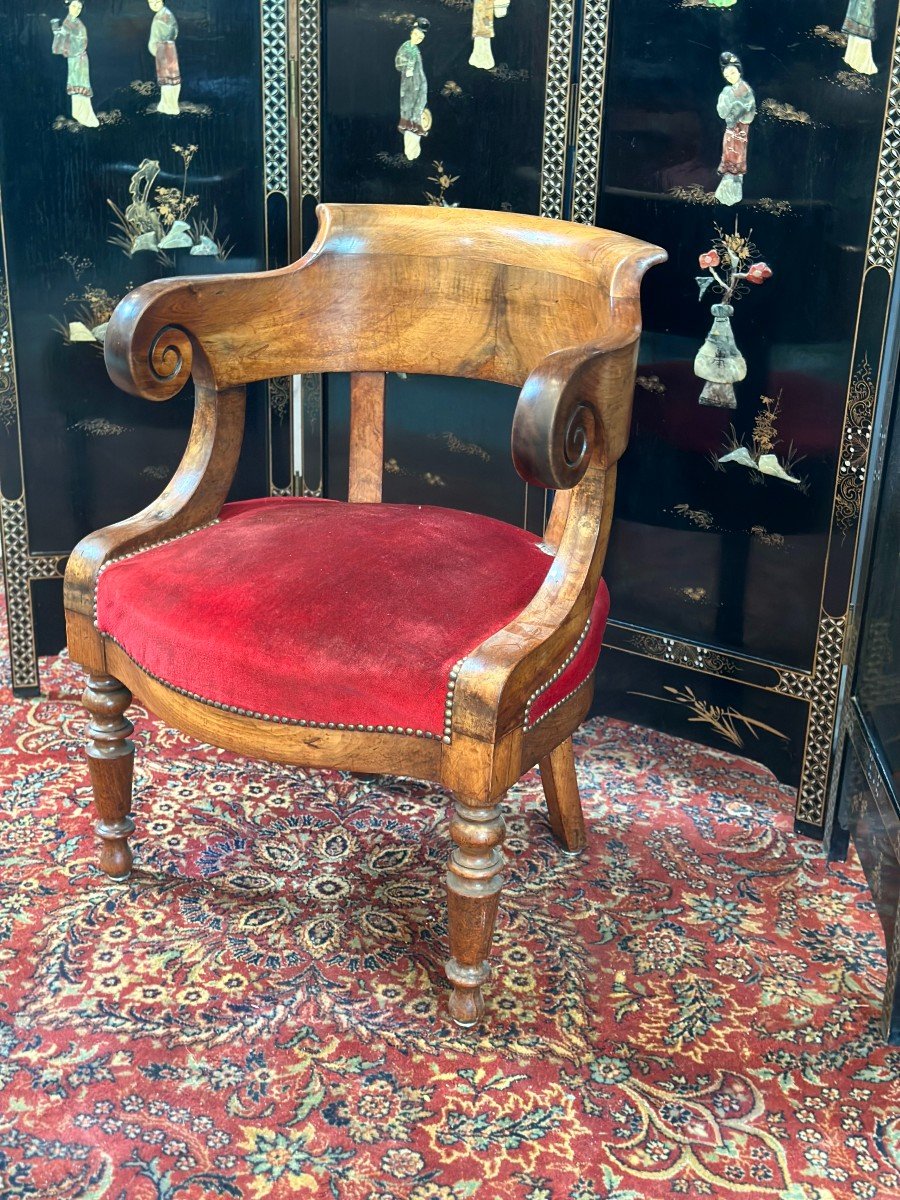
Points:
x=549, y=306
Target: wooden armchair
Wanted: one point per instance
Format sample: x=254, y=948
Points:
x=366, y=636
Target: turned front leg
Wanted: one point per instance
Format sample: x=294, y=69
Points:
x=110, y=755
x=474, y=881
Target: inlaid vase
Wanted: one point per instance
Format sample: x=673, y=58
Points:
x=719, y=361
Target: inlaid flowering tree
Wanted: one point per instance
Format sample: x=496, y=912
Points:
x=731, y=264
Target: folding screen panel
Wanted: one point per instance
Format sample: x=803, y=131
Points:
x=756, y=141
x=134, y=147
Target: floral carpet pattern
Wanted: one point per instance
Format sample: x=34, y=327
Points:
x=688, y=1010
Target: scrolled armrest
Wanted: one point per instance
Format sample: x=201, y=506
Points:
x=193, y=496
x=171, y=355
x=148, y=352
x=573, y=408
x=224, y=330
x=211, y=327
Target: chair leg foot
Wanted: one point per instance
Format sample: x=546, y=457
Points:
x=110, y=755
x=563, y=801
x=474, y=880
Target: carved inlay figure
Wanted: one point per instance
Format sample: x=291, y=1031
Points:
x=484, y=13
x=415, y=119
x=163, y=33
x=737, y=108
x=859, y=26
x=70, y=40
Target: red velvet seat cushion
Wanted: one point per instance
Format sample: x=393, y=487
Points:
x=323, y=613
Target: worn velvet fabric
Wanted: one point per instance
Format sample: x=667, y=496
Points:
x=313, y=610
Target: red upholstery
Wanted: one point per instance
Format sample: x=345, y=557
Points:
x=317, y=612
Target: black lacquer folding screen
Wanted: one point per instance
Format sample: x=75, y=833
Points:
x=133, y=148
x=755, y=140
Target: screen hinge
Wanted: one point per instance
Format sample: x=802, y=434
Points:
x=293, y=88
x=851, y=637
x=572, y=116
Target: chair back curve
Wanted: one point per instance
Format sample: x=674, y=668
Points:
x=417, y=289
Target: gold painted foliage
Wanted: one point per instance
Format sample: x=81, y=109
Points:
x=762, y=457
x=834, y=37
x=99, y=427
x=187, y=153
x=392, y=467
x=98, y=302
x=87, y=308
x=77, y=264
x=853, y=81
x=776, y=207
x=651, y=383
x=737, y=244
x=765, y=424
x=697, y=516
x=693, y=194
x=726, y=721
x=507, y=74
x=112, y=116
x=173, y=205
x=761, y=534
x=399, y=161
x=443, y=182
x=782, y=111
x=456, y=446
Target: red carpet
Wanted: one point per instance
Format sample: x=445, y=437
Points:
x=689, y=1011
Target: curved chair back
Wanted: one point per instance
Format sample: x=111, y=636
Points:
x=426, y=290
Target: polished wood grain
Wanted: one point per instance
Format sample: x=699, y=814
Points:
x=474, y=880
x=551, y=307
x=366, y=436
x=427, y=290
x=110, y=755
x=563, y=801
x=193, y=497
x=341, y=749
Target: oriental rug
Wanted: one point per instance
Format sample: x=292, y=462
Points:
x=688, y=1010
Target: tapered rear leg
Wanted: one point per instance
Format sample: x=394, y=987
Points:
x=474, y=880
x=110, y=755
x=563, y=801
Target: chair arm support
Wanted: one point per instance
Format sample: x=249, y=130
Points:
x=570, y=428
x=574, y=408
x=193, y=496
x=497, y=679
